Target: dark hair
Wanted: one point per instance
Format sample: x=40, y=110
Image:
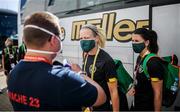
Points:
x=151, y=36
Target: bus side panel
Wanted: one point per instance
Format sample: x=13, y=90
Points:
x=166, y=21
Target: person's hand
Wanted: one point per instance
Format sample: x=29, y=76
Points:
x=75, y=67
x=131, y=92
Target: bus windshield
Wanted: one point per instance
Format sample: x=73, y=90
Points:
x=8, y=25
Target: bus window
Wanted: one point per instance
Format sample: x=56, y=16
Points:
x=8, y=24
x=51, y=2
x=88, y=3
x=65, y=8
x=8, y=27
x=62, y=6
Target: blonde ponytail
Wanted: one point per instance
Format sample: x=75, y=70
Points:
x=102, y=37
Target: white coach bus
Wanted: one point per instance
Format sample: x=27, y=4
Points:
x=118, y=18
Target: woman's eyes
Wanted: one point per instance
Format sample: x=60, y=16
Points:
x=135, y=41
x=84, y=37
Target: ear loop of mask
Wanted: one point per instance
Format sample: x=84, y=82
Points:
x=46, y=31
x=41, y=51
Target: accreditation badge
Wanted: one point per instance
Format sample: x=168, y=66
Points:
x=11, y=56
x=12, y=65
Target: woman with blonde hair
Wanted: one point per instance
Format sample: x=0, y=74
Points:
x=99, y=65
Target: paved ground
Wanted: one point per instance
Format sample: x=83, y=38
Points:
x=2, y=80
x=4, y=101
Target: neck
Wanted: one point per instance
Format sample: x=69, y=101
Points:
x=47, y=56
x=93, y=51
x=144, y=52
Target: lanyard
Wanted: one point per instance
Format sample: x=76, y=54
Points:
x=37, y=58
x=9, y=50
x=141, y=60
x=139, y=64
x=94, y=63
x=11, y=56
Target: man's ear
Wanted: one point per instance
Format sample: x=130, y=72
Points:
x=53, y=40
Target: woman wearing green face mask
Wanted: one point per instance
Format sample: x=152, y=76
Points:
x=100, y=66
x=148, y=92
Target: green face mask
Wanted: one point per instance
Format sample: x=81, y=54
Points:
x=138, y=47
x=87, y=45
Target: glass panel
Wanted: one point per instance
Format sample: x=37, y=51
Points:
x=8, y=25
x=88, y=3
x=63, y=5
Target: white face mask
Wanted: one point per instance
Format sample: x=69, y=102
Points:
x=44, y=30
